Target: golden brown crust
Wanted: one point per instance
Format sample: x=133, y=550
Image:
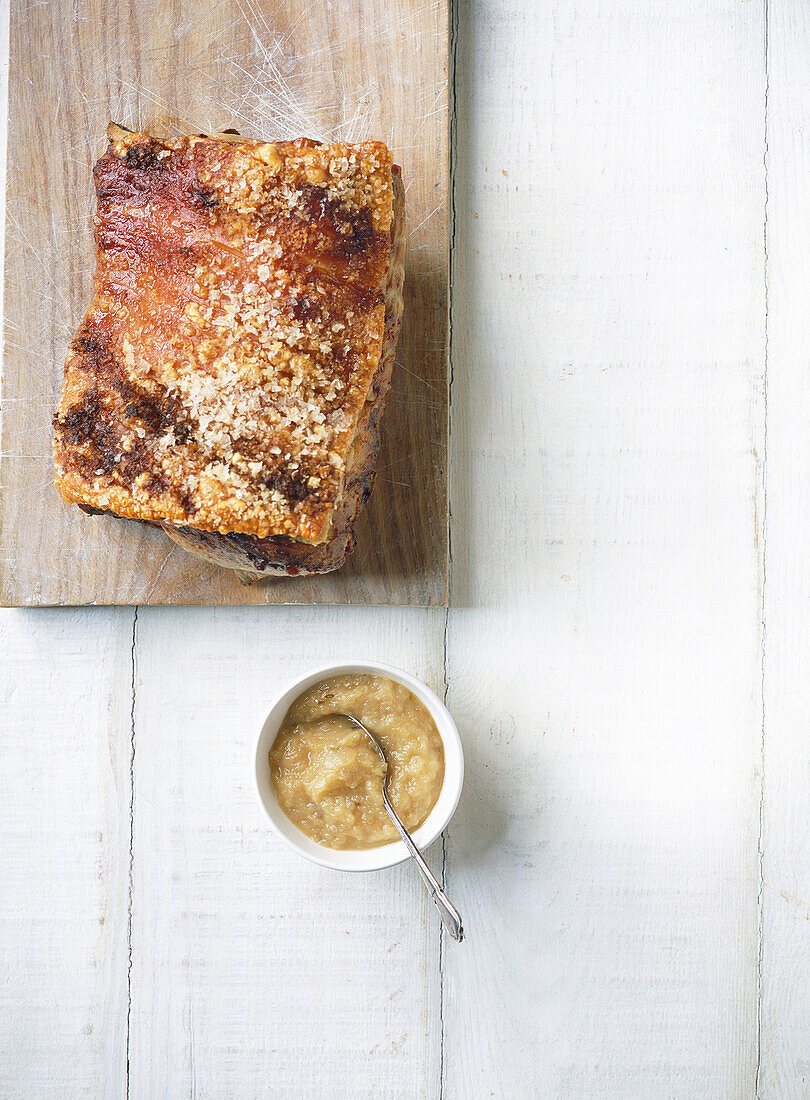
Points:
x=279, y=556
x=226, y=362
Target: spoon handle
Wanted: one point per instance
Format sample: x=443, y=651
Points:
x=451, y=919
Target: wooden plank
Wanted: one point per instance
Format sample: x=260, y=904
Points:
x=276, y=69
x=64, y=853
x=253, y=972
x=64, y=841
x=785, y=1058
x=604, y=662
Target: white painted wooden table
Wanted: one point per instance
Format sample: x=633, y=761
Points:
x=626, y=654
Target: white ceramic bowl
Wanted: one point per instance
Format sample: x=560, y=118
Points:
x=371, y=859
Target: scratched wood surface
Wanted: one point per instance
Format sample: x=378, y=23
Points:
x=345, y=70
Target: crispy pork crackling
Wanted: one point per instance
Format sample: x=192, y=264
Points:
x=228, y=379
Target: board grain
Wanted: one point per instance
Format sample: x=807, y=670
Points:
x=340, y=71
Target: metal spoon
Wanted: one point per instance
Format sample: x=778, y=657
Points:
x=448, y=912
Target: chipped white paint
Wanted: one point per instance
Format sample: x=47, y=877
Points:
x=254, y=974
x=636, y=896
x=604, y=659
x=64, y=853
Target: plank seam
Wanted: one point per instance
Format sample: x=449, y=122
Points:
x=453, y=44
x=763, y=631
x=133, y=658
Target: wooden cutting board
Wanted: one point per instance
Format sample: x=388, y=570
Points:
x=336, y=70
